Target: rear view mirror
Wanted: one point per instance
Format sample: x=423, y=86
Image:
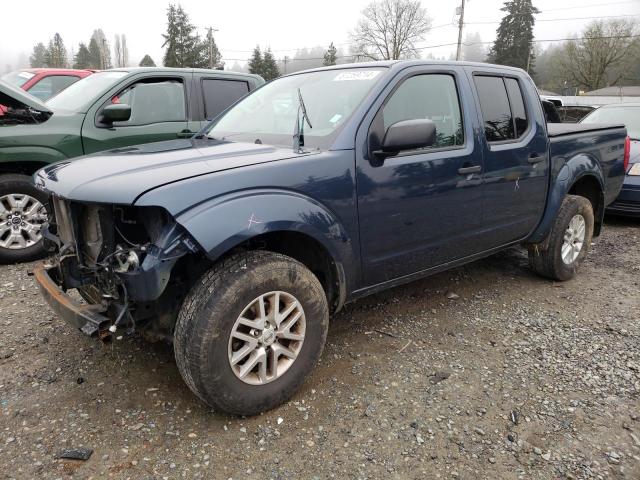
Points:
x=118, y=112
x=407, y=135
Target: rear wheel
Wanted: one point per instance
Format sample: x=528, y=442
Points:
x=250, y=331
x=22, y=216
x=569, y=240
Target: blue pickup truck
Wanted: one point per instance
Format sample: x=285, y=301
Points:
x=315, y=190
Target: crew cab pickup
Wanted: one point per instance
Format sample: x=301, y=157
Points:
x=114, y=108
x=318, y=188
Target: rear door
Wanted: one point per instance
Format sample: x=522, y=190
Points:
x=159, y=111
x=420, y=208
x=516, y=157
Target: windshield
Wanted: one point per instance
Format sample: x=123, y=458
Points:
x=17, y=79
x=630, y=116
x=85, y=91
x=269, y=114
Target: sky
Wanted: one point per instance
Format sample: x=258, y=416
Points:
x=282, y=25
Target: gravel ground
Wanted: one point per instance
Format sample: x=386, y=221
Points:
x=486, y=371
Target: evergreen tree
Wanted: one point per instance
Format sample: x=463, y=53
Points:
x=37, y=58
x=255, y=62
x=184, y=48
x=82, y=58
x=330, y=56
x=269, y=66
x=95, y=56
x=147, y=61
x=56, y=54
x=513, y=45
x=214, y=56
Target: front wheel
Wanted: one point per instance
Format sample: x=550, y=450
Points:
x=250, y=331
x=22, y=216
x=569, y=241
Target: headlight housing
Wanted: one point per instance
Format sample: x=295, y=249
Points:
x=635, y=169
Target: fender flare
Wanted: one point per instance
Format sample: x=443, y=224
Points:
x=222, y=223
x=573, y=170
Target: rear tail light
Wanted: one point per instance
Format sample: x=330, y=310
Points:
x=627, y=152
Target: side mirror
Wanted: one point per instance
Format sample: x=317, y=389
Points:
x=407, y=135
x=117, y=112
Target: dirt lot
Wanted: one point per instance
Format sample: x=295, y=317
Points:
x=482, y=372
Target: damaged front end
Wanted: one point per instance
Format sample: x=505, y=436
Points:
x=131, y=265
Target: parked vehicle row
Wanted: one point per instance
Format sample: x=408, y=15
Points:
x=238, y=243
x=106, y=110
x=628, y=202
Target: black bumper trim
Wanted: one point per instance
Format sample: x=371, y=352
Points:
x=89, y=319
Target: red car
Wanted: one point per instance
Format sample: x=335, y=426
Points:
x=43, y=83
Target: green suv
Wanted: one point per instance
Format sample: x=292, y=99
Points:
x=106, y=110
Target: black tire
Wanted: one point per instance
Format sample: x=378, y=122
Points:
x=21, y=184
x=207, y=317
x=548, y=262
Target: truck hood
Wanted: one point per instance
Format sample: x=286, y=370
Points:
x=13, y=97
x=122, y=175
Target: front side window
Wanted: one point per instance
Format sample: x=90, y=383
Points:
x=503, y=108
x=51, y=85
x=269, y=113
x=430, y=96
x=153, y=101
x=219, y=94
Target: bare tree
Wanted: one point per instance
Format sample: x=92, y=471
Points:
x=389, y=29
x=602, y=55
x=125, y=50
x=117, y=51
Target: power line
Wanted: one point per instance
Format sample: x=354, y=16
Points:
x=559, y=19
x=568, y=39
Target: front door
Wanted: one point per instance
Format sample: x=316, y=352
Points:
x=420, y=208
x=158, y=112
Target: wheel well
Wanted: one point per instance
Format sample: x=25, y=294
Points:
x=24, y=168
x=307, y=251
x=589, y=188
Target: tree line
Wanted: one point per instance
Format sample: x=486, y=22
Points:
x=95, y=54
x=606, y=52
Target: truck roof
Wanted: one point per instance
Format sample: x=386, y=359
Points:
x=182, y=70
x=400, y=64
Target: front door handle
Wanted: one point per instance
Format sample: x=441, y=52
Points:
x=468, y=170
x=535, y=158
x=186, y=134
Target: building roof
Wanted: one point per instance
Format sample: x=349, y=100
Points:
x=631, y=91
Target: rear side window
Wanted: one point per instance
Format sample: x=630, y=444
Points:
x=517, y=106
x=498, y=123
x=503, y=109
x=430, y=96
x=220, y=94
x=153, y=101
x=51, y=85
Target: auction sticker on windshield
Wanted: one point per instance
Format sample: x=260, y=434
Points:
x=348, y=76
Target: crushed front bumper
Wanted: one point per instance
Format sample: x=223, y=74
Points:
x=89, y=319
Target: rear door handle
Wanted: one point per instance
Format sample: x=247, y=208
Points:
x=535, y=158
x=186, y=134
x=468, y=170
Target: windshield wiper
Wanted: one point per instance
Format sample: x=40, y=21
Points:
x=298, y=132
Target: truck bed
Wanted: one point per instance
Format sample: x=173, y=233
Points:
x=562, y=129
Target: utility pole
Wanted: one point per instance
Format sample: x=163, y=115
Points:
x=211, y=30
x=460, y=25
